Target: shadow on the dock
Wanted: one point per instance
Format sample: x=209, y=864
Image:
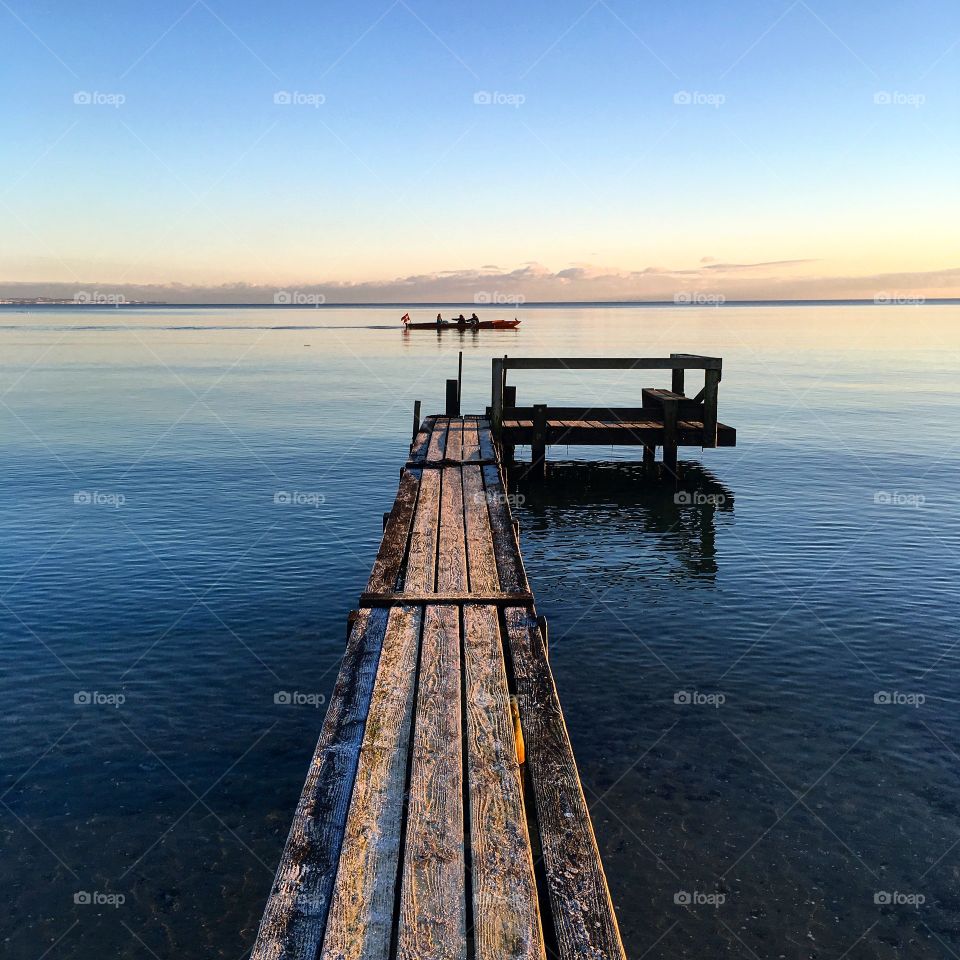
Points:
x=684, y=514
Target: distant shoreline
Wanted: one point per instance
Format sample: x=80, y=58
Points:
x=503, y=308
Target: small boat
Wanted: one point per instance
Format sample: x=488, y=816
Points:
x=460, y=324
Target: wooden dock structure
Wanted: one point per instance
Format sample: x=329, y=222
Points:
x=442, y=816
x=667, y=419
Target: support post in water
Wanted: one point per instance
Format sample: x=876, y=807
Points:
x=649, y=456
x=453, y=398
x=670, y=434
x=710, y=387
x=416, y=421
x=538, y=465
x=509, y=401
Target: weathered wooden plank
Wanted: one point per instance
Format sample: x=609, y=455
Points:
x=421, y=443
x=296, y=914
x=360, y=923
x=506, y=917
x=452, y=559
x=485, y=436
x=454, y=449
x=685, y=362
x=432, y=921
x=471, y=442
x=438, y=440
x=422, y=556
x=583, y=918
x=505, y=546
x=481, y=559
x=393, y=546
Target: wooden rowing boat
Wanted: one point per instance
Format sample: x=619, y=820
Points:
x=464, y=325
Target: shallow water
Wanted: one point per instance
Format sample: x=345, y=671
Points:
x=718, y=662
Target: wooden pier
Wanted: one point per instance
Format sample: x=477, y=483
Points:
x=442, y=816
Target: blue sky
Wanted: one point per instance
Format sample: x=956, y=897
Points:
x=623, y=146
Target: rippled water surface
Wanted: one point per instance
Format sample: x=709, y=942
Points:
x=761, y=686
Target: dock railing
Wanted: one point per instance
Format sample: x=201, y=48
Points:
x=503, y=396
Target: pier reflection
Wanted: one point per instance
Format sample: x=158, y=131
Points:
x=620, y=503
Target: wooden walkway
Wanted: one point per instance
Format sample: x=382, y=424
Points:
x=443, y=816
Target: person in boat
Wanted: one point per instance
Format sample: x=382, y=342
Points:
x=460, y=319
x=474, y=319
x=439, y=320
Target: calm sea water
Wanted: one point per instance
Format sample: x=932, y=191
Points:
x=720, y=662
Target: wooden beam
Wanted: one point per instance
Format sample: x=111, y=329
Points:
x=686, y=362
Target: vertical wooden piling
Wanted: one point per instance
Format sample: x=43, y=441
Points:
x=676, y=381
x=710, y=387
x=509, y=400
x=496, y=396
x=416, y=421
x=670, y=434
x=538, y=466
x=453, y=398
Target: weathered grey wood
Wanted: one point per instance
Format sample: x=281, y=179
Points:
x=452, y=559
x=583, y=917
x=485, y=436
x=433, y=907
x=438, y=439
x=421, y=442
x=296, y=914
x=471, y=442
x=396, y=533
x=422, y=557
x=686, y=362
x=710, y=407
x=454, y=448
x=481, y=559
x=505, y=546
x=506, y=918
x=360, y=923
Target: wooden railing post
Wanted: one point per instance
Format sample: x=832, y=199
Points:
x=496, y=397
x=538, y=465
x=676, y=382
x=710, y=390
x=453, y=398
x=416, y=421
x=509, y=400
x=670, y=434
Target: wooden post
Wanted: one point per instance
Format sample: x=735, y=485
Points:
x=710, y=390
x=496, y=396
x=459, y=377
x=676, y=382
x=649, y=456
x=453, y=399
x=670, y=435
x=538, y=465
x=416, y=421
x=509, y=400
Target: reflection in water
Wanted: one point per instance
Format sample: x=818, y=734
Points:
x=594, y=499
